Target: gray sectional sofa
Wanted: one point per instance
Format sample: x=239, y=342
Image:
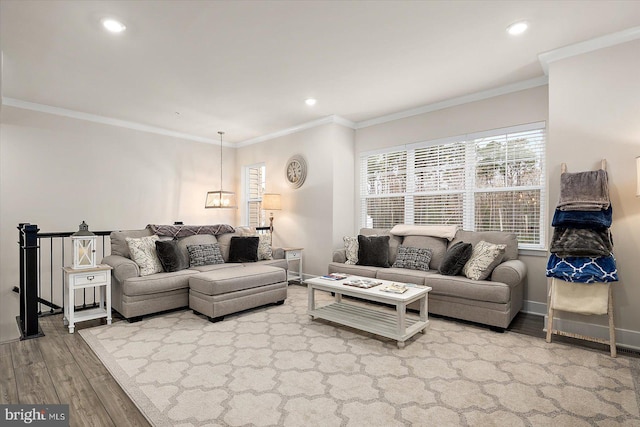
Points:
x=494, y=301
x=134, y=296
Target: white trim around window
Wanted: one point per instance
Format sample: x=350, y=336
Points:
x=484, y=181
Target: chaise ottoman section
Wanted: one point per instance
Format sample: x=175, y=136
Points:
x=218, y=293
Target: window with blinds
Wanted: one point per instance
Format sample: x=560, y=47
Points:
x=255, y=184
x=488, y=181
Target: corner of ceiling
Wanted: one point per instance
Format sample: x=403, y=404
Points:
x=587, y=46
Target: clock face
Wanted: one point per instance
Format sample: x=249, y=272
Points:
x=296, y=171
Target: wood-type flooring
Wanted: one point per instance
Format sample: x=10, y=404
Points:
x=61, y=368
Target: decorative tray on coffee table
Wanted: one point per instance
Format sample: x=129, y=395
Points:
x=363, y=283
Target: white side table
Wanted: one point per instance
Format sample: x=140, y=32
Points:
x=95, y=277
x=293, y=254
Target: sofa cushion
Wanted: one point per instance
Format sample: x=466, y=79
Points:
x=356, y=270
x=171, y=258
x=243, y=249
x=119, y=244
x=437, y=245
x=236, y=279
x=403, y=275
x=351, y=249
x=373, y=250
x=484, y=258
x=204, y=255
x=225, y=243
x=264, y=247
x=455, y=259
x=157, y=283
x=413, y=258
x=475, y=290
x=143, y=252
x=394, y=241
x=199, y=239
x=497, y=237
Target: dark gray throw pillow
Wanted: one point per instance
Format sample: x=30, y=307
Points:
x=244, y=249
x=455, y=259
x=413, y=258
x=171, y=257
x=204, y=254
x=373, y=251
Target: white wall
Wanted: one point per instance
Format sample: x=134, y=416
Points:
x=516, y=108
x=56, y=172
x=316, y=215
x=594, y=114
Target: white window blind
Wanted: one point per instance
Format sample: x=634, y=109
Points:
x=486, y=181
x=255, y=182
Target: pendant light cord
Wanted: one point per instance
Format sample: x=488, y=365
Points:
x=220, y=133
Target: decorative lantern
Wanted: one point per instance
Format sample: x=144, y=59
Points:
x=84, y=247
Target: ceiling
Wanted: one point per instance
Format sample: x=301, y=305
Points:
x=244, y=67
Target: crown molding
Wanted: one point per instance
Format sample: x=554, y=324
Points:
x=308, y=125
x=587, y=46
x=25, y=105
x=478, y=96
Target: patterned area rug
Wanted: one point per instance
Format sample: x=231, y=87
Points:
x=275, y=366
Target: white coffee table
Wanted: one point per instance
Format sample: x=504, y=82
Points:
x=397, y=326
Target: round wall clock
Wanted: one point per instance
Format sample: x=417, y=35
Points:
x=295, y=171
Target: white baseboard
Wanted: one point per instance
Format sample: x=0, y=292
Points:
x=624, y=337
x=534, y=307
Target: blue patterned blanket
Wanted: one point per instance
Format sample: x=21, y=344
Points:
x=583, y=269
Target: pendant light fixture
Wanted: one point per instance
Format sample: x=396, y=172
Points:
x=221, y=199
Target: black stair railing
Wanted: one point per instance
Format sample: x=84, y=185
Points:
x=42, y=256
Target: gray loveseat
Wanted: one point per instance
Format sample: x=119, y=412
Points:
x=134, y=296
x=494, y=301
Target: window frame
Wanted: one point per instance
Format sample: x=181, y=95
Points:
x=535, y=132
x=249, y=198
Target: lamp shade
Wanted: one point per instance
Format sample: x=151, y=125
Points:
x=271, y=202
x=638, y=176
x=220, y=199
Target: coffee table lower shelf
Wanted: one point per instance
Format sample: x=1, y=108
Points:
x=370, y=320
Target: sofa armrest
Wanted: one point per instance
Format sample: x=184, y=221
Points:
x=511, y=272
x=340, y=255
x=277, y=253
x=123, y=268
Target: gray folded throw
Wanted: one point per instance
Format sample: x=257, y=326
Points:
x=581, y=242
x=584, y=191
x=177, y=231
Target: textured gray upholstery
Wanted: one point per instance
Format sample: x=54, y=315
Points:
x=198, y=239
x=492, y=302
x=497, y=237
x=230, y=279
x=119, y=243
x=134, y=296
x=437, y=245
x=221, y=292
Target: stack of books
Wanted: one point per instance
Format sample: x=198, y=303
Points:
x=335, y=276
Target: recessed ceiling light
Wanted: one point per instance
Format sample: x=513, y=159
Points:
x=310, y=101
x=517, y=28
x=113, y=25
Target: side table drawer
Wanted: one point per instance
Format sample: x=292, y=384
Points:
x=89, y=278
x=294, y=254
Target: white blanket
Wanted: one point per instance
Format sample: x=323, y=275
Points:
x=583, y=298
x=445, y=231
